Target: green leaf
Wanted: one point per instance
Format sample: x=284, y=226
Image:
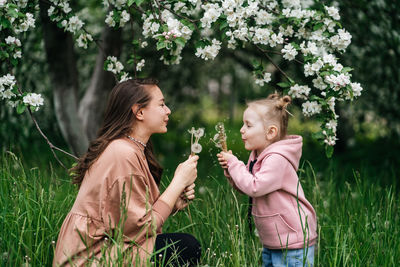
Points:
x=139, y=2
x=14, y=61
x=161, y=45
x=324, y=73
x=223, y=25
x=21, y=108
x=318, y=135
x=181, y=41
x=283, y=85
x=317, y=26
x=13, y=13
x=346, y=69
x=130, y=2
x=295, y=45
x=200, y=43
x=256, y=64
x=328, y=151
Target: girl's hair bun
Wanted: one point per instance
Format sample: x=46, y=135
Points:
x=274, y=96
x=280, y=102
x=285, y=101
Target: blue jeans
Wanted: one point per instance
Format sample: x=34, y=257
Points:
x=288, y=258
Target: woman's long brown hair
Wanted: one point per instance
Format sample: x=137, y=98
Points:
x=117, y=123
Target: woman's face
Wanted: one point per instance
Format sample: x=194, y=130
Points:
x=155, y=114
x=253, y=131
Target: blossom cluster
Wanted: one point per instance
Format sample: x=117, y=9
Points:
x=9, y=92
x=113, y=65
x=300, y=31
x=16, y=17
x=61, y=12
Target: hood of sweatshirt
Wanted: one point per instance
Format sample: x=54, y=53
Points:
x=290, y=147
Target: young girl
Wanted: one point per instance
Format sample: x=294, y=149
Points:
x=285, y=220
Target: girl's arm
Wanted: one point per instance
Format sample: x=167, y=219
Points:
x=268, y=179
x=224, y=164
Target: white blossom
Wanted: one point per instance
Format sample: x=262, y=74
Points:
x=341, y=40
x=211, y=14
x=332, y=125
x=329, y=59
x=13, y=40
x=114, y=65
x=7, y=80
x=74, y=24
x=333, y=12
x=144, y=44
x=140, y=65
x=50, y=11
x=125, y=17
x=266, y=79
x=7, y=94
x=289, y=52
x=264, y=18
x=17, y=54
x=124, y=77
x=109, y=19
x=210, y=51
x=299, y=91
x=337, y=81
x=65, y=7
x=84, y=39
x=356, y=87
x=310, y=108
x=33, y=99
x=317, y=65
x=28, y=22
x=330, y=140
x=331, y=103
x=319, y=83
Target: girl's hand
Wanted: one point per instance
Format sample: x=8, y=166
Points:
x=186, y=172
x=223, y=158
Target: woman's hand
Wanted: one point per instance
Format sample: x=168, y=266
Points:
x=186, y=172
x=187, y=195
x=185, y=175
x=223, y=158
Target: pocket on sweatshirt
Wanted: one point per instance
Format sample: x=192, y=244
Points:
x=274, y=231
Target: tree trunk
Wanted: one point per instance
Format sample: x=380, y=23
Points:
x=64, y=78
x=92, y=105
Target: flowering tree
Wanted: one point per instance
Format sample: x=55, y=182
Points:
x=306, y=33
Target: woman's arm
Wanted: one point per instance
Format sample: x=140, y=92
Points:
x=185, y=175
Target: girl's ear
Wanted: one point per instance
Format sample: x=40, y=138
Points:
x=138, y=112
x=272, y=132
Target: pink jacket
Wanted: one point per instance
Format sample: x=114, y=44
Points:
x=280, y=221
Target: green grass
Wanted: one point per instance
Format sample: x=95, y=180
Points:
x=358, y=213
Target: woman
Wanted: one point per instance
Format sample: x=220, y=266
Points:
x=118, y=198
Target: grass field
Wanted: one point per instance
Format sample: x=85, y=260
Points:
x=357, y=204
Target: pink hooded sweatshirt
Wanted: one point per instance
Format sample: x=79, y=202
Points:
x=280, y=209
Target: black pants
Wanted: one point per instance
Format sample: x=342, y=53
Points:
x=176, y=249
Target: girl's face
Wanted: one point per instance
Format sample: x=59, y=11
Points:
x=253, y=131
x=155, y=114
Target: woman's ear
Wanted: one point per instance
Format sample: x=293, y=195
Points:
x=272, y=132
x=138, y=112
